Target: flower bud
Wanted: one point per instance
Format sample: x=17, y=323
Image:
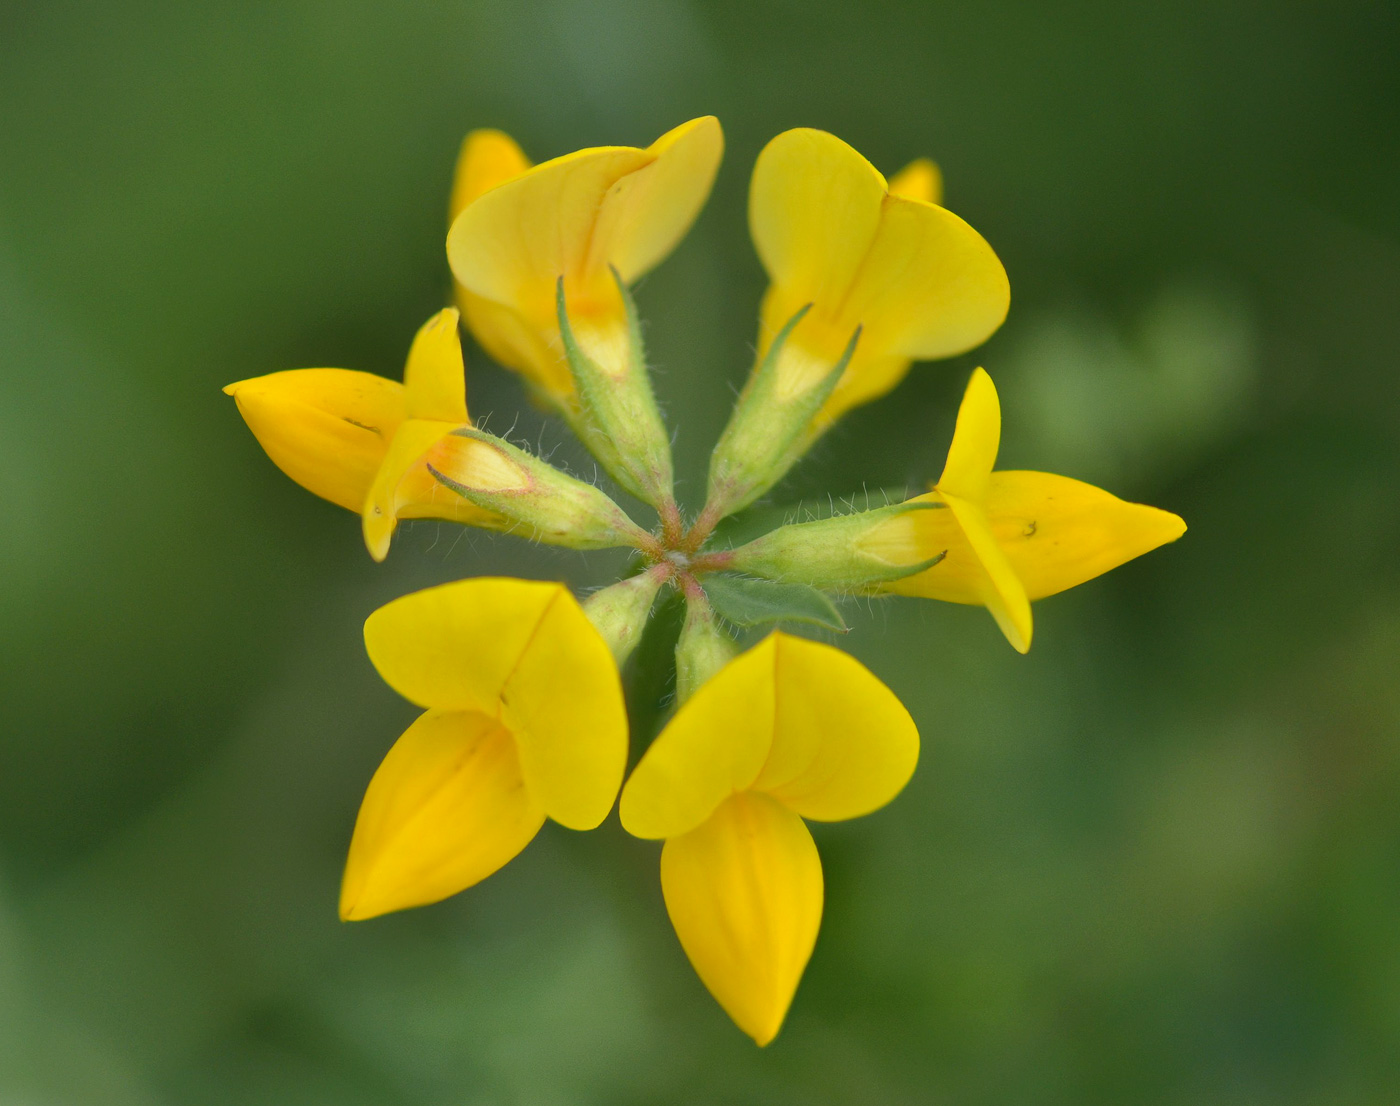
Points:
x=547, y=504
x=620, y=611
x=618, y=419
x=856, y=552
x=771, y=427
x=703, y=649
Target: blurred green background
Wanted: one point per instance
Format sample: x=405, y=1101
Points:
x=1155, y=861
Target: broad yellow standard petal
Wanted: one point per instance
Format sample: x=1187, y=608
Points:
x=976, y=439
x=649, y=212
x=524, y=652
x=798, y=720
x=917, y=280
x=488, y=158
x=843, y=744
x=328, y=429
x=744, y=892
x=446, y=808
x=574, y=217
x=920, y=180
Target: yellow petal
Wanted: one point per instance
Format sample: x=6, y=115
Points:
x=744, y=892
x=488, y=158
x=1001, y=591
x=511, y=341
x=929, y=287
x=523, y=651
x=976, y=439
x=380, y=513
x=814, y=348
x=714, y=746
x=650, y=211
x=920, y=180
x=328, y=429
x=843, y=744
x=800, y=720
x=512, y=244
x=445, y=809
x=434, y=378
x=918, y=280
x=814, y=208
x=1057, y=532
x=974, y=568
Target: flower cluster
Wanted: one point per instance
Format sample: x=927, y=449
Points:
x=524, y=717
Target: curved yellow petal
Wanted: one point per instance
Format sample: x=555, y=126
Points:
x=714, y=746
x=796, y=719
x=814, y=209
x=744, y=892
x=973, y=569
x=1057, y=532
x=930, y=286
x=513, y=342
x=843, y=744
x=647, y=214
x=434, y=378
x=917, y=536
x=379, y=515
x=1001, y=591
x=920, y=180
x=445, y=809
x=563, y=701
x=525, y=652
x=917, y=280
x=328, y=429
x=976, y=439
x=488, y=158
x=513, y=243
x=453, y=646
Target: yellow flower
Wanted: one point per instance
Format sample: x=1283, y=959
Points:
x=524, y=721
x=919, y=282
x=359, y=440
x=790, y=730
x=1010, y=537
x=516, y=230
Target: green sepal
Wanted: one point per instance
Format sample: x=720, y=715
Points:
x=829, y=552
x=618, y=419
x=748, y=602
x=620, y=611
x=704, y=646
x=551, y=506
x=766, y=435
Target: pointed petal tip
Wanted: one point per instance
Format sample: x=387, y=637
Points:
x=378, y=532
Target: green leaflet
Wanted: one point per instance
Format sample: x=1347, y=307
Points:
x=749, y=602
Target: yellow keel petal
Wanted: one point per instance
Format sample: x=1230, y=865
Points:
x=744, y=892
x=328, y=429
x=1057, y=532
x=446, y=808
